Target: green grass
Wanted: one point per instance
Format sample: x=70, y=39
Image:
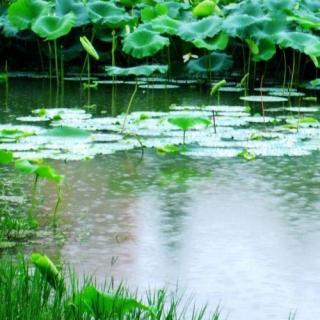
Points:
x=26, y=294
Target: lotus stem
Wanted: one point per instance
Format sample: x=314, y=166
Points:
x=88, y=74
x=184, y=137
x=214, y=122
x=6, y=86
x=293, y=70
x=62, y=77
x=113, y=50
x=40, y=54
x=50, y=72
x=56, y=61
x=129, y=106
x=262, y=104
x=285, y=70
x=56, y=208
x=33, y=197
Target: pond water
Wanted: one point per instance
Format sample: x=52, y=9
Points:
x=241, y=235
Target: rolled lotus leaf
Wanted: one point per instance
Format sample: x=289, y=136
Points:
x=53, y=27
x=48, y=269
x=87, y=45
x=143, y=70
x=108, y=14
x=144, y=43
x=22, y=13
x=204, y=8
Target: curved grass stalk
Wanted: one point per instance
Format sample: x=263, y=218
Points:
x=56, y=61
x=56, y=207
x=129, y=106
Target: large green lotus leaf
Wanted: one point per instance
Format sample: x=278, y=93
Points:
x=144, y=43
x=22, y=13
x=276, y=5
x=144, y=70
x=201, y=29
x=204, y=8
x=53, y=27
x=240, y=25
x=303, y=42
x=148, y=13
x=100, y=305
x=267, y=50
x=165, y=24
x=214, y=62
x=188, y=122
x=219, y=42
x=64, y=7
x=108, y=14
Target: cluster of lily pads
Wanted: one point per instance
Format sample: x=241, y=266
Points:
x=146, y=28
x=213, y=131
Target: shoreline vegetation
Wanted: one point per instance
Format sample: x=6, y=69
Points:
x=35, y=289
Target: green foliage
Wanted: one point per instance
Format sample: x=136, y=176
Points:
x=188, y=122
x=217, y=86
x=48, y=270
x=143, y=70
x=247, y=155
x=87, y=45
x=168, y=149
x=53, y=27
x=94, y=303
x=6, y=157
x=22, y=13
x=67, y=132
x=144, y=43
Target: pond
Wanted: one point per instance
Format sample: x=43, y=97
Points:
x=241, y=235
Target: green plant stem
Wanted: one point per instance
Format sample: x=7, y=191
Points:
x=285, y=70
x=56, y=61
x=56, y=208
x=293, y=69
x=262, y=104
x=40, y=54
x=33, y=198
x=113, y=50
x=89, y=89
x=129, y=106
x=50, y=72
x=184, y=137
x=214, y=122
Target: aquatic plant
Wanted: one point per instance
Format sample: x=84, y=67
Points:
x=48, y=293
x=187, y=122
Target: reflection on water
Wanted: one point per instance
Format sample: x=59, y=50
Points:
x=243, y=235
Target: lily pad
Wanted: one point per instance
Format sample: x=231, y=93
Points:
x=263, y=99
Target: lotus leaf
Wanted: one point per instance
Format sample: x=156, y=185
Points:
x=214, y=62
x=201, y=29
x=188, y=122
x=108, y=14
x=22, y=13
x=143, y=70
x=53, y=27
x=6, y=157
x=165, y=24
x=67, y=132
x=219, y=42
x=77, y=7
x=144, y=43
x=96, y=304
x=48, y=269
x=204, y=8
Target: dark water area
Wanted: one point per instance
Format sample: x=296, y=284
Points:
x=241, y=235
